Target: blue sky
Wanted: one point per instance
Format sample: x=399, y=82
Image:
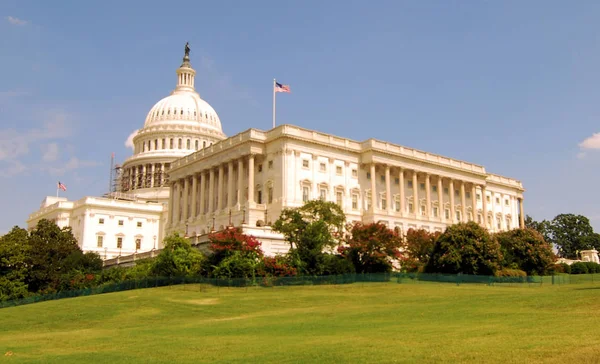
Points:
x=511, y=85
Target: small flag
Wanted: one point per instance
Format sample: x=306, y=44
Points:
x=61, y=186
x=282, y=88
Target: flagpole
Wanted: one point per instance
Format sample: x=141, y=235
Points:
x=274, y=103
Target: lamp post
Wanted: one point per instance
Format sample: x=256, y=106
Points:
x=154, y=246
x=105, y=250
x=243, y=216
x=186, y=231
x=213, y=226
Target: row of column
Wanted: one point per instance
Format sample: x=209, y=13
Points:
x=144, y=176
x=428, y=200
x=209, y=186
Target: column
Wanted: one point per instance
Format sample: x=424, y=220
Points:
x=240, y=177
x=493, y=199
x=176, y=202
x=194, y=196
x=451, y=194
x=220, y=188
x=171, y=206
x=152, y=175
x=428, y=195
x=463, y=201
x=134, y=185
x=502, y=219
x=161, y=180
x=416, y=203
x=202, y=192
x=230, y=184
x=388, y=191
x=521, y=214
x=402, y=193
x=484, y=207
x=186, y=191
x=474, y=201
x=373, y=187
x=251, y=179
x=211, y=191
x=440, y=188
x=143, y=184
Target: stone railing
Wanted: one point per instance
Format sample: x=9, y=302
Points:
x=129, y=260
x=65, y=205
x=504, y=180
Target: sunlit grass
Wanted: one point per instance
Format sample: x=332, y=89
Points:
x=370, y=322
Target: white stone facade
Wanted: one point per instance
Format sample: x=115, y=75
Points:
x=109, y=227
x=249, y=178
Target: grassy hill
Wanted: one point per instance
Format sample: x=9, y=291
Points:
x=371, y=322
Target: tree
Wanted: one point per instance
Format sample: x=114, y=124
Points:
x=542, y=227
x=51, y=253
x=234, y=254
x=13, y=268
x=311, y=229
x=178, y=258
x=465, y=248
x=371, y=248
x=572, y=233
x=525, y=249
x=417, y=248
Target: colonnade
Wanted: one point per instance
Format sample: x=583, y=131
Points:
x=144, y=176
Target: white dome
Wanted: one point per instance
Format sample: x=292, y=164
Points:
x=183, y=106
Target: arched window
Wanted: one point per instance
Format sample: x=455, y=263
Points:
x=196, y=145
x=164, y=144
x=171, y=144
x=155, y=144
x=204, y=144
x=189, y=144
x=180, y=144
x=143, y=146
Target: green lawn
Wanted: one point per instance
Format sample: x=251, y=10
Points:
x=371, y=322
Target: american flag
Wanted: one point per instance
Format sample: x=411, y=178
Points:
x=282, y=88
x=61, y=186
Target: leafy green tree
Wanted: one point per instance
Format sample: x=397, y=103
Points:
x=417, y=248
x=572, y=233
x=525, y=249
x=51, y=253
x=310, y=230
x=371, y=248
x=465, y=248
x=178, y=258
x=13, y=267
x=542, y=227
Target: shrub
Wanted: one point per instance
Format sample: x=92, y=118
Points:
x=236, y=265
x=525, y=249
x=579, y=268
x=417, y=248
x=593, y=267
x=277, y=266
x=335, y=265
x=506, y=272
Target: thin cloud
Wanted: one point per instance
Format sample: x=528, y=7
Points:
x=6, y=96
x=16, y=21
x=129, y=141
x=592, y=142
x=72, y=164
x=50, y=152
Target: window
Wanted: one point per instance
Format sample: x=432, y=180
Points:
x=322, y=167
x=338, y=198
x=354, y=201
x=422, y=210
x=498, y=223
x=189, y=144
x=143, y=146
x=196, y=144
x=155, y=144
x=470, y=216
x=164, y=143
x=506, y=202
x=410, y=184
x=138, y=244
x=338, y=170
x=446, y=190
x=354, y=173
x=422, y=186
x=458, y=215
x=101, y=221
x=468, y=194
x=368, y=175
x=323, y=194
x=508, y=223
x=270, y=192
x=397, y=181
x=382, y=178
x=435, y=211
x=498, y=200
x=120, y=222
x=260, y=168
x=119, y=243
x=259, y=196
x=171, y=144
x=383, y=202
x=180, y=143
x=270, y=164
x=204, y=144
x=488, y=199
x=456, y=193
x=100, y=241
x=434, y=188
x=479, y=218
x=410, y=207
x=305, y=163
x=305, y=194
x=397, y=203
x=447, y=214
x=139, y=224
x=478, y=197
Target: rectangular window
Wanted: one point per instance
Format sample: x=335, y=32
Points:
x=422, y=210
x=497, y=200
x=119, y=243
x=447, y=214
x=446, y=190
x=354, y=201
x=468, y=194
x=434, y=188
x=383, y=203
x=305, y=163
x=323, y=194
x=409, y=184
x=410, y=207
x=100, y=241
x=382, y=178
x=139, y=224
x=397, y=202
x=260, y=168
x=101, y=221
x=354, y=173
x=507, y=223
x=479, y=218
x=499, y=223
x=397, y=181
x=270, y=191
x=338, y=198
x=120, y=222
x=305, y=194
x=270, y=164
x=138, y=244
x=368, y=175
x=478, y=197
x=488, y=199
x=458, y=216
x=456, y=193
x=259, y=197
x=422, y=186
x=470, y=215
x=435, y=211
x=338, y=170
x=322, y=167
x=506, y=202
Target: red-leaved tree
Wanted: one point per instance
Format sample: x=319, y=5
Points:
x=371, y=248
x=417, y=248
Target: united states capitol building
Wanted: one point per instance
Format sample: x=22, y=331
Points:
x=186, y=175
